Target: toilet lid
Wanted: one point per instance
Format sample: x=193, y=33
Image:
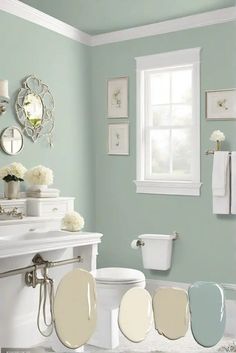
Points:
x=118, y=275
x=75, y=308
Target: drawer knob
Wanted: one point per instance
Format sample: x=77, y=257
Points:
x=55, y=209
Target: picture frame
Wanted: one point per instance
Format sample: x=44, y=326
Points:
x=221, y=104
x=117, y=97
x=118, y=139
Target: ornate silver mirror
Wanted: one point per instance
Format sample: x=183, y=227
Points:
x=34, y=108
x=12, y=140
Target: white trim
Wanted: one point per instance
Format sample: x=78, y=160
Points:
x=179, y=24
x=176, y=57
x=31, y=14
x=167, y=188
x=162, y=61
x=21, y=10
x=152, y=284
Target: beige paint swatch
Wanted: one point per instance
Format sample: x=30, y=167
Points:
x=171, y=312
x=135, y=314
x=75, y=308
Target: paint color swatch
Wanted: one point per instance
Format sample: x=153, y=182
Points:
x=135, y=314
x=207, y=308
x=75, y=308
x=171, y=314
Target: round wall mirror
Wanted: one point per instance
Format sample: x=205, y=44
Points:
x=12, y=140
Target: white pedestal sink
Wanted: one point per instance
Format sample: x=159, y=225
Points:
x=20, y=240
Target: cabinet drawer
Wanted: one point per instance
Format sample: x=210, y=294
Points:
x=8, y=205
x=50, y=208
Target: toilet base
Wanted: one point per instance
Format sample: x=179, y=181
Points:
x=107, y=329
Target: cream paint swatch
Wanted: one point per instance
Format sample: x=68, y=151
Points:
x=135, y=314
x=171, y=312
x=75, y=308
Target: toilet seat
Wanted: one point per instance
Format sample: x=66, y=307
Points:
x=118, y=275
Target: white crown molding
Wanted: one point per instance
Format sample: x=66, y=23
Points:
x=179, y=24
x=21, y=10
x=31, y=14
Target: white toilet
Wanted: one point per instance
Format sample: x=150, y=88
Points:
x=112, y=283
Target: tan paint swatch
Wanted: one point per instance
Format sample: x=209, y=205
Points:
x=75, y=308
x=135, y=314
x=171, y=312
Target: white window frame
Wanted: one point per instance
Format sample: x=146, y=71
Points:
x=162, y=61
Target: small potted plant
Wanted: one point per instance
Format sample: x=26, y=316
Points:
x=12, y=174
x=39, y=178
x=218, y=137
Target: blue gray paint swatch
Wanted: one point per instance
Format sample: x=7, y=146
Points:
x=207, y=307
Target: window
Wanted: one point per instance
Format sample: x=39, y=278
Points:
x=168, y=126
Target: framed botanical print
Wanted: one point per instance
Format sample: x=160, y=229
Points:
x=118, y=139
x=117, y=97
x=221, y=105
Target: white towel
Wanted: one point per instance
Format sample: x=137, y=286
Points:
x=220, y=183
x=233, y=182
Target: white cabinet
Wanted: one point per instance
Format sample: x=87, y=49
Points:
x=20, y=204
x=49, y=207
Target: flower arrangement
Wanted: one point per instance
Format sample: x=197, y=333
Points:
x=73, y=221
x=13, y=172
x=218, y=137
x=39, y=175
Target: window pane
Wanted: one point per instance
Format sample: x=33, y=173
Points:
x=182, y=86
x=160, y=151
x=161, y=115
x=181, y=114
x=160, y=88
x=182, y=152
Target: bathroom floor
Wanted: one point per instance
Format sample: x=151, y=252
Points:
x=156, y=343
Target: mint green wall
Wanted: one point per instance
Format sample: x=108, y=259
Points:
x=206, y=249
x=64, y=65
x=207, y=245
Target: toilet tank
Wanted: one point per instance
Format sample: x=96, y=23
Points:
x=157, y=251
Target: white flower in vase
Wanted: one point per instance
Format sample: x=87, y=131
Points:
x=39, y=177
x=218, y=137
x=73, y=221
x=12, y=174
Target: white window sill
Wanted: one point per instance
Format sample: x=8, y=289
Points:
x=168, y=187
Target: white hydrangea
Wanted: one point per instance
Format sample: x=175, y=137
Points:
x=73, y=221
x=13, y=169
x=39, y=175
x=217, y=135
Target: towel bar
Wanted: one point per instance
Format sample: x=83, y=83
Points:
x=39, y=263
x=208, y=152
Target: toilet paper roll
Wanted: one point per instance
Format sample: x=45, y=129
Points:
x=134, y=244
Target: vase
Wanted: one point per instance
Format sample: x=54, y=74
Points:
x=218, y=145
x=11, y=189
x=37, y=188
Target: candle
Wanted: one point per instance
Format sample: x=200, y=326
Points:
x=4, y=88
